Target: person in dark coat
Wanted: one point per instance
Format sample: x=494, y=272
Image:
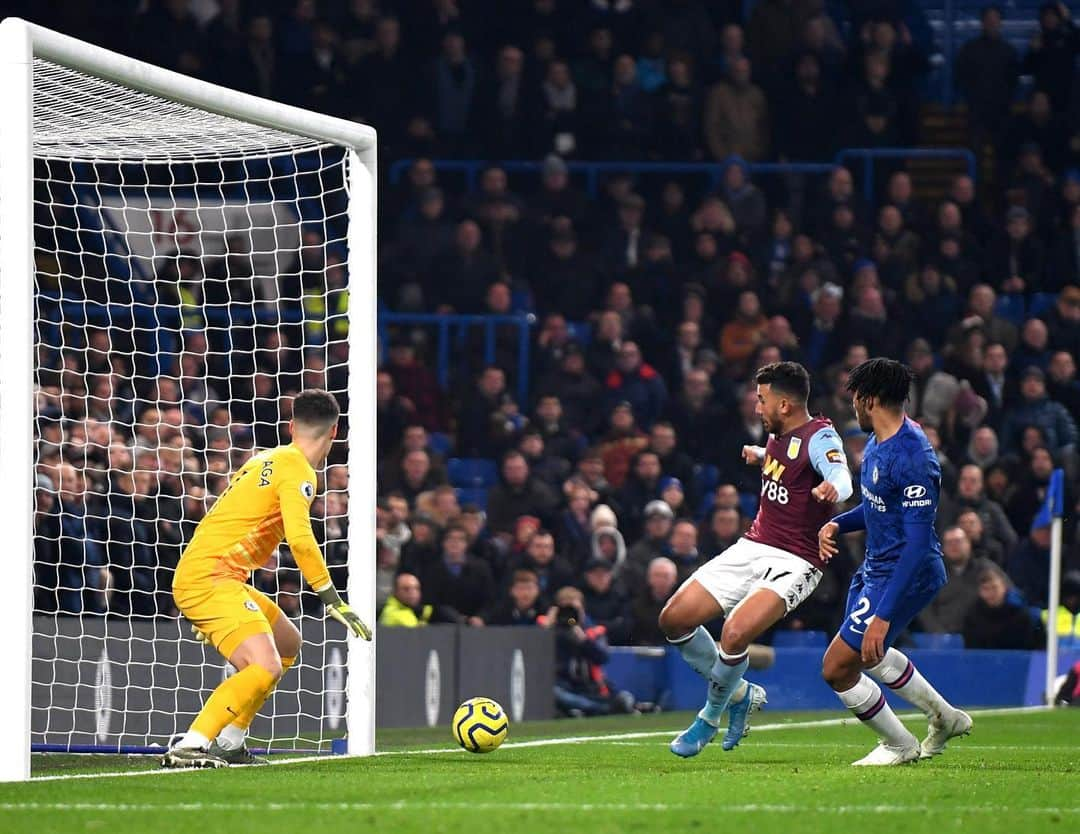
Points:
x=459, y=587
x=518, y=494
x=987, y=71
x=999, y=619
x=661, y=580
x=695, y=415
x=521, y=604
x=638, y=383
x=606, y=603
x=1053, y=53
x=551, y=570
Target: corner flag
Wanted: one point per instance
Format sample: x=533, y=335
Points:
x=1054, y=505
x=1050, y=515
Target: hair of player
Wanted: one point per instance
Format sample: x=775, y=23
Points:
x=886, y=380
x=315, y=410
x=788, y=378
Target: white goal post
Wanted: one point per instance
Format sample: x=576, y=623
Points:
x=77, y=121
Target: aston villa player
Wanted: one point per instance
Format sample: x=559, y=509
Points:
x=768, y=572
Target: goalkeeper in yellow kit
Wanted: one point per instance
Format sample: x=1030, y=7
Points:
x=268, y=499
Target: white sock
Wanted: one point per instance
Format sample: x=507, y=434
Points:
x=726, y=677
x=698, y=649
x=232, y=737
x=193, y=741
x=900, y=675
x=867, y=703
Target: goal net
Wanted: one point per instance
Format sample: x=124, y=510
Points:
x=193, y=269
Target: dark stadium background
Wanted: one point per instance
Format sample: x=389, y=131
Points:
x=636, y=298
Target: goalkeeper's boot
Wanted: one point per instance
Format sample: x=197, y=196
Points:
x=739, y=715
x=693, y=739
x=886, y=755
x=190, y=757
x=948, y=725
x=239, y=756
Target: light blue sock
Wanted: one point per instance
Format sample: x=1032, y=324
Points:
x=723, y=680
x=699, y=650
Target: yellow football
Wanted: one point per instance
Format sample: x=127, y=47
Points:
x=480, y=725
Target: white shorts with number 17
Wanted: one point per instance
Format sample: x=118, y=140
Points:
x=747, y=566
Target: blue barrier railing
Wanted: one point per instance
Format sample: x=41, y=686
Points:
x=593, y=171
x=712, y=171
x=869, y=156
x=458, y=325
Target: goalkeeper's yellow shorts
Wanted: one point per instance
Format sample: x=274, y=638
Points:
x=226, y=611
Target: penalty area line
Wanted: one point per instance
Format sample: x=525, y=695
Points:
x=541, y=742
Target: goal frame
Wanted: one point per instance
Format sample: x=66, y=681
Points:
x=20, y=43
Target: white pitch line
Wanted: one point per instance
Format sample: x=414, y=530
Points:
x=543, y=742
x=410, y=806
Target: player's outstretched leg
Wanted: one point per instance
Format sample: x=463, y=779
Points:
x=898, y=673
x=842, y=670
x=724, y=679
x=867, y=703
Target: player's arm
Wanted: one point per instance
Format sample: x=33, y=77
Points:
x=854, y=519
x=753, y=455
x=826, y=452
x=295, y=494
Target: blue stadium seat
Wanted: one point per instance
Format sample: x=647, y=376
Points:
x=469, y=495
x=1011, y=308
x=706, y=478
x=748, y=503
x=931, y=640
x=521, y=301
x=800, y=640
x=580, y=332
x=439, y=443
x=1040, y=303
x=472, y=472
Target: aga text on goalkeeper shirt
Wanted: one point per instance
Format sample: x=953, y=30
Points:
x=267, y=500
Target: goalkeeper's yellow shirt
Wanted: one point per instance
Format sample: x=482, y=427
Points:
x=267, y=500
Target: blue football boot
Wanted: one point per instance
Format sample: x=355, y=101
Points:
x=693, y=739
x=739, y=715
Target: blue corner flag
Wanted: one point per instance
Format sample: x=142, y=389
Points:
x=1054, y=505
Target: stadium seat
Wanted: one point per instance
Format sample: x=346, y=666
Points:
x=439, y=443
x=1011, y=308
x=472, y=472
x=800, y=640
x=1040, y=303
x=580, y=332
x=469, y=495
x=932, y=640
x=521, y=301
x=748, y=503
x=706, y=478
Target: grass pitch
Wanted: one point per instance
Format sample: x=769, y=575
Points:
x=1018, y=772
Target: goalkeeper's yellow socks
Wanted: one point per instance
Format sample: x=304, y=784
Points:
x=235, y=734
x=233, y=698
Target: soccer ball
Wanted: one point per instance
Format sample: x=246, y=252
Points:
x=480, y=725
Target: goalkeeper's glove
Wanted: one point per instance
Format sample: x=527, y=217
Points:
x=336, y=608
x=202, y=638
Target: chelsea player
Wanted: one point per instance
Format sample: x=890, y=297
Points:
x=901, y=573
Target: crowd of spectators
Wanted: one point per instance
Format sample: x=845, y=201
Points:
x=620, y=472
